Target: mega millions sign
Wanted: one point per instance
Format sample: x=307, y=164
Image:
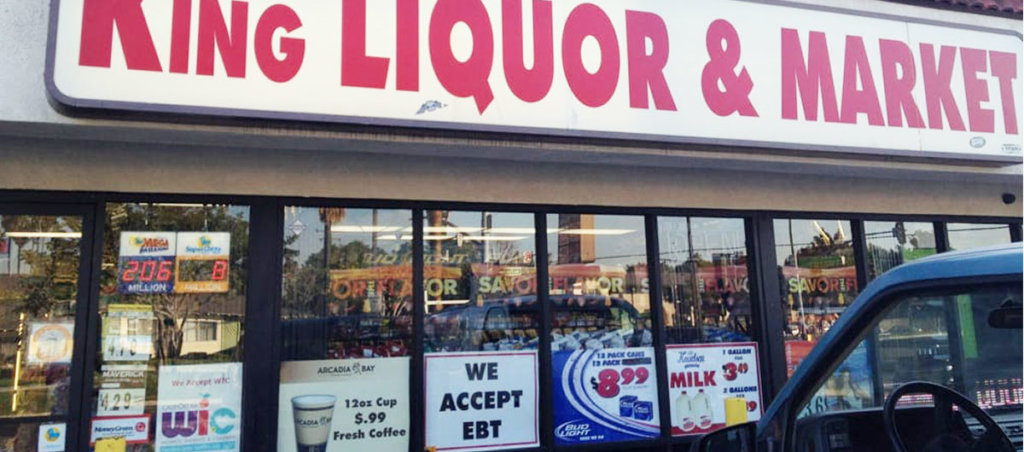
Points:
x=734, y=72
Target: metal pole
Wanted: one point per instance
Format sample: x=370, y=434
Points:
x=799, y=284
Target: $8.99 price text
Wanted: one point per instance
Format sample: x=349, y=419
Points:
x=608, y=381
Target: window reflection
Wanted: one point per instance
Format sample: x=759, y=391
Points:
x=893, y=243
x=480, y=281
x=706, y=296
x=963, y=236
x=39, y=257
x=347, y=283
x=818, y=279
x=599, y=284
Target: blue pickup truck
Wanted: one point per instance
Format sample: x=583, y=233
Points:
x=928, y=358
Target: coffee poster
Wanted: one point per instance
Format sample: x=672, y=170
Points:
x=342, y=405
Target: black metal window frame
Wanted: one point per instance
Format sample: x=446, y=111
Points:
x=264, y=297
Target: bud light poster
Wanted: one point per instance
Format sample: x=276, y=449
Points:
x=199, y=408
x=605, y=395
x=712, y=386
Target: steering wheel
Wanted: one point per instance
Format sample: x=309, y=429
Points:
x=947, y=421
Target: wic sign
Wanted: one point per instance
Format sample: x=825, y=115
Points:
x=717, y=72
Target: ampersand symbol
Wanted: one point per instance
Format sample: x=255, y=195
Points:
x=720, y=67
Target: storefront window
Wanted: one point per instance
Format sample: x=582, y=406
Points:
x=605, y=381
x=346, y=329
x=39, y=259
x=481, y=330
x=893, y=243
x=172, y=311
x=708, y=321
x=705, y=293
x=963, y=236
x=818, y=276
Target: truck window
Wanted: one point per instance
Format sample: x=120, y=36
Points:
x=940, y=337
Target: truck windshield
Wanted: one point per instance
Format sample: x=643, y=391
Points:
x=940, y=337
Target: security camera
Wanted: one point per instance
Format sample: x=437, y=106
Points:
x=1009, y=198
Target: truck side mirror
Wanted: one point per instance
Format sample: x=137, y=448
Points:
x=738, y=438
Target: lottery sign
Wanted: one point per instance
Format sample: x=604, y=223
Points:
x=174, y=262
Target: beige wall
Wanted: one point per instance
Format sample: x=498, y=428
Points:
x=128, y=167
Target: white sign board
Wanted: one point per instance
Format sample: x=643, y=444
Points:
x=199, y=407
x=340, y=405
x=721, y=72
x=481, y=401
x=712, y=386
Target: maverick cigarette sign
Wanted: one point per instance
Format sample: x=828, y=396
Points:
x=742, y=72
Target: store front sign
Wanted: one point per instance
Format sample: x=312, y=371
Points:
x=729, y=72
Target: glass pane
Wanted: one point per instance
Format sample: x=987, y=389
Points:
x=346, y=329
x=28, y=436
x=993, y=376
x=706, y=296
x=706, y=300
x=819, y=278
x=893, y=243
x=172, y=318
x=481, y=330
x=39, y=257
x=964, y=236
x=602, y=345
x=925, y=336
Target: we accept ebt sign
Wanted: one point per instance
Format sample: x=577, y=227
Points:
x=481, y=401
x=691, y=71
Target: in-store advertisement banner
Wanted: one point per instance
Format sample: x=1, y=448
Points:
x=787, y=76
x=481, y=401
x=605, y=395
x=343, y=405
x=199, y=407
x=712, y=386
